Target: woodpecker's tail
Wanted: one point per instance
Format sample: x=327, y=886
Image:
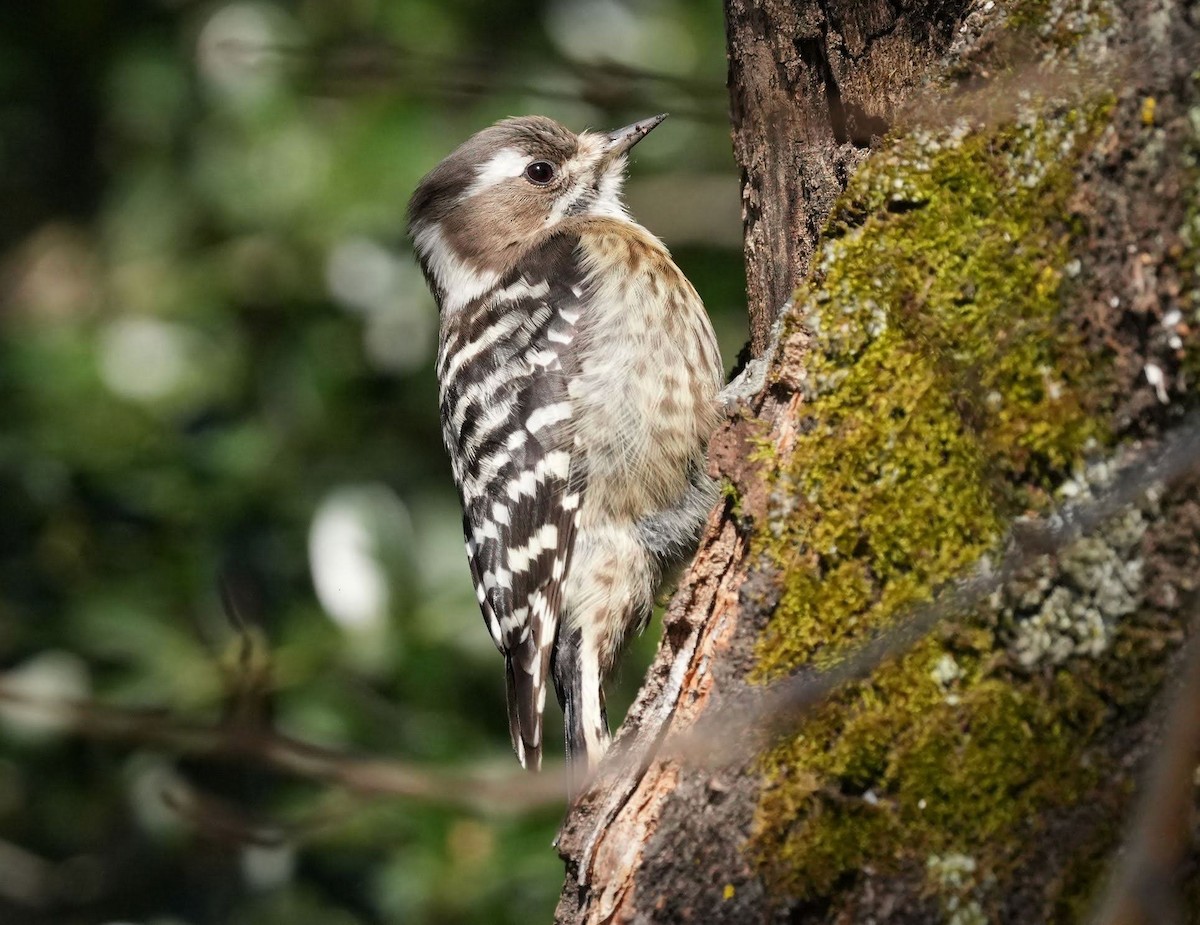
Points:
x=580, y=692
x=524, y=722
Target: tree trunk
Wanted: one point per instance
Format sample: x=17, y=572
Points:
x=984, y=223
x=811, y=84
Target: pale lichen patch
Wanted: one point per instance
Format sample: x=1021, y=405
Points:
x=1071, y=606
x=955, y=878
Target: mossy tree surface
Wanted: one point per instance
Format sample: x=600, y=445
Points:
x=949, y=390
x=945, y=388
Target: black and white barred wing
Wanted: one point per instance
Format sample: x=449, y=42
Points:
x=504, y=366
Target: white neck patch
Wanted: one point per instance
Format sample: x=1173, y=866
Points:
x=459, y=284
x=505, y=164
x=608, y=203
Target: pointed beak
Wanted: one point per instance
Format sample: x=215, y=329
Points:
x=622, y=139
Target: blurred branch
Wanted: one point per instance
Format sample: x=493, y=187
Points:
x=377, y=64
x=720, y=738
x=222, y=821
x=25, y=878
x=1143, y=889
x=368, y=775
x=603, y=84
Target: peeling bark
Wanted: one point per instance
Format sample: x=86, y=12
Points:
x=606, y=837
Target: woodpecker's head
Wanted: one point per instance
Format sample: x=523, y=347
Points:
x=504, y=190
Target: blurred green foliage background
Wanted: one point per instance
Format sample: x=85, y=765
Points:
x=216, y=373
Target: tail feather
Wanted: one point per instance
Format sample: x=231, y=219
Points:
x=584, y=717
x=524, y=714
x=567, y=688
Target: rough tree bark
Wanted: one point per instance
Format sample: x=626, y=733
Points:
x=810, y=85
x=984, y=220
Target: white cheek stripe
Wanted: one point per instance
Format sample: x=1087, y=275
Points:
x=457, y=281
x=505, y=164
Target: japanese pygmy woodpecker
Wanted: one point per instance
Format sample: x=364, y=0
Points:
x=578, y=378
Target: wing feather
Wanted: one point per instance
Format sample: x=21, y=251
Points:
x=507, y=422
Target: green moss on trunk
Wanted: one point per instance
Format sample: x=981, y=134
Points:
x=946, y=393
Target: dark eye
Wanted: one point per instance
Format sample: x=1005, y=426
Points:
x=539, y=172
